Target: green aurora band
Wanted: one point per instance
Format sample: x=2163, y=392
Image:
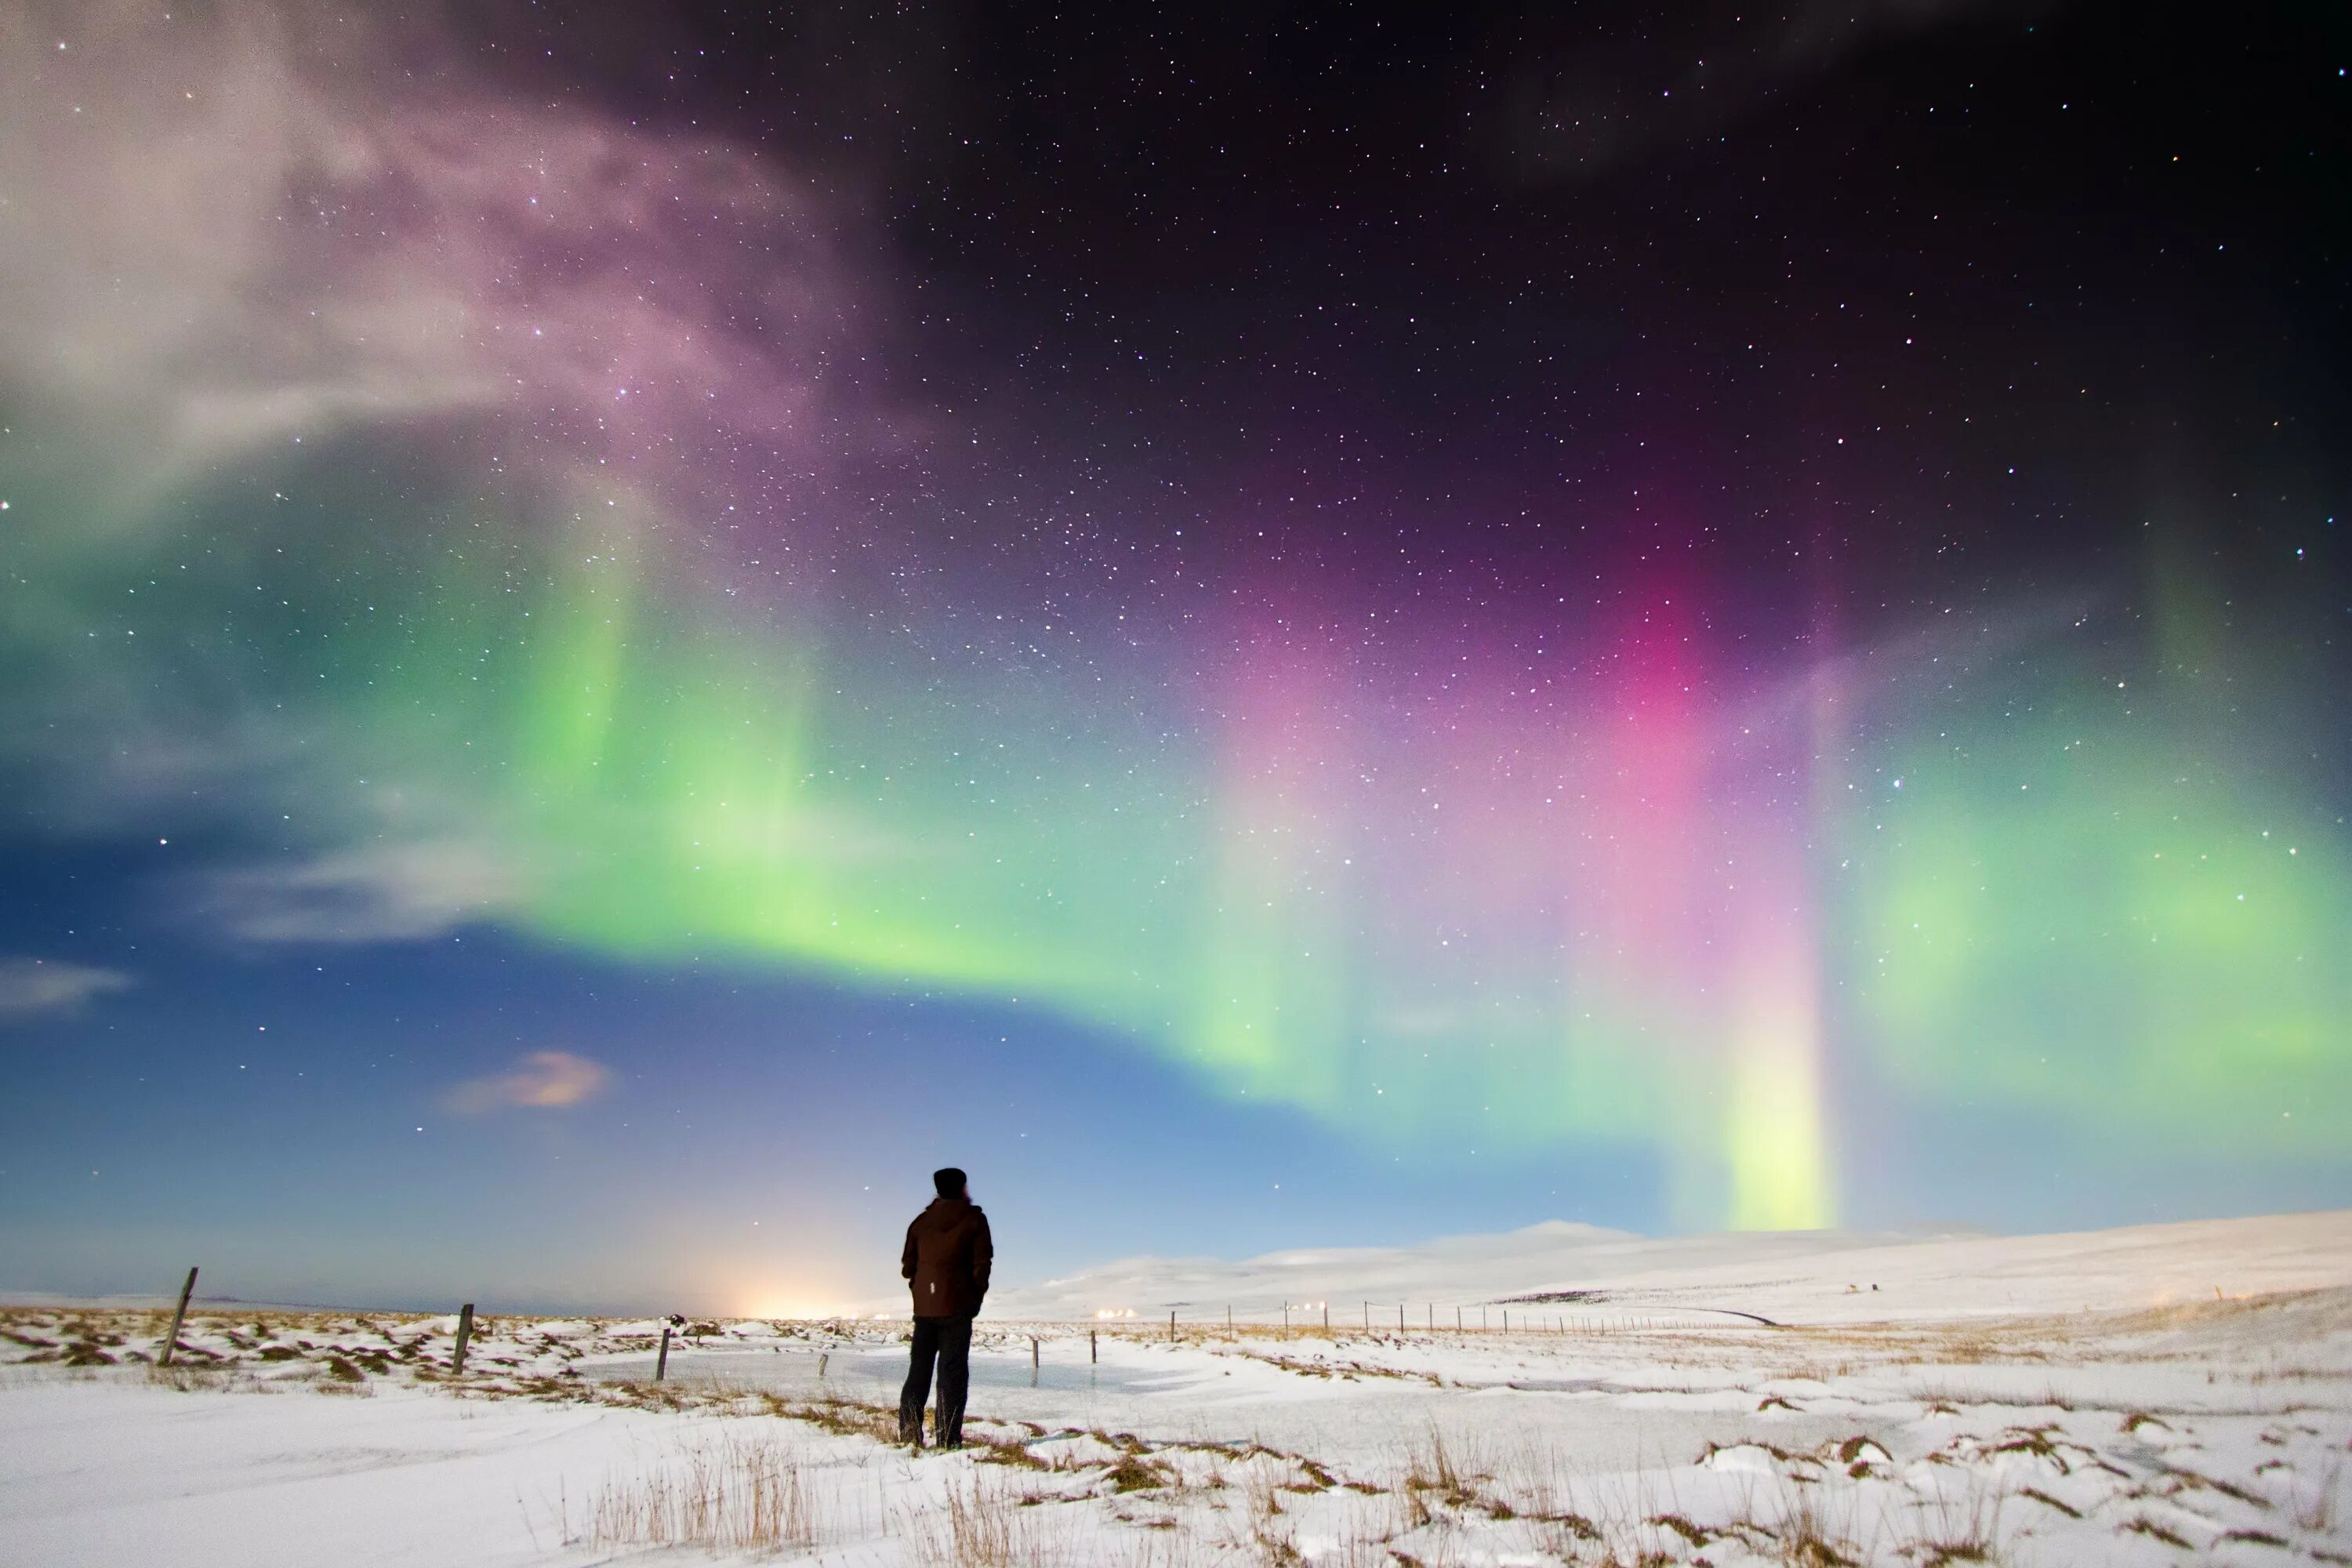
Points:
x=365, y=430
x=2116, y=903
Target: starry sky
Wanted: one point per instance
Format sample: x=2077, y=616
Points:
x=623, y=628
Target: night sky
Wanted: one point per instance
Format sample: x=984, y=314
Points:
x=622, y=627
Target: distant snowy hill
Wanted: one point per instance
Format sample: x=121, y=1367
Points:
x=1799, y=1277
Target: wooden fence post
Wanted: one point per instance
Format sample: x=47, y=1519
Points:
x=179, y=1316
x=1094, y=1347
x=1172, y=1328
x=1327, y=1318
x=661, y=1362
x=465, y=1332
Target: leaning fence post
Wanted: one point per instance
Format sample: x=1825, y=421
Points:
x=465, y=1332
x=661, y=1362
x=179, y=1315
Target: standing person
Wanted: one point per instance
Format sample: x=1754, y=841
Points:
x=946, y=1264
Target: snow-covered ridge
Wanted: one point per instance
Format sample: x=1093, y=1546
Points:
x=1798, y=1276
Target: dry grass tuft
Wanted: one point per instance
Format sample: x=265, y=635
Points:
x=188, y=1379
x=1964, y=1528
x=1445, y=1471
x=1132, y=1474
x=2316, y=1513
x=988, y=1451
x=1808, y=1540
x=2045, y=1498
x=1683, y=1527
x=2146, y=1526
x=731, y=1495
x=1272, y=1539
x=981, y=1526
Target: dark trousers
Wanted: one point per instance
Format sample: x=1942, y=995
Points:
x=948, y=1340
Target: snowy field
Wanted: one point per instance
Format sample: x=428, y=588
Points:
x=2168, y=1395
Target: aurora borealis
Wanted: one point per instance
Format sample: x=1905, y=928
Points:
x=1750, y=665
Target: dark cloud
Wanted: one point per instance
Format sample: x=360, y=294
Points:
x=1574, y=93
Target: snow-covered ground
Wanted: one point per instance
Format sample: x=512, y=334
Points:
x=2164, y=1394
x=1805, y=1276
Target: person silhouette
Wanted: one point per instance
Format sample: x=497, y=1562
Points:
x=945, y=1262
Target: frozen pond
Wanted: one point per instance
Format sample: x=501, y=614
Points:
x=875, y=1375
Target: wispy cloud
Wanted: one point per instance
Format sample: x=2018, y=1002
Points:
x=380, y=892
x=315, y=243
x=40, y=987
x=543, y=1080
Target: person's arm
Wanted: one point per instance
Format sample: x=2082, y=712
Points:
x=907, y=1258
x=983, y=1255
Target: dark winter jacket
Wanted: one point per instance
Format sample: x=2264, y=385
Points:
x=947, y=1258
